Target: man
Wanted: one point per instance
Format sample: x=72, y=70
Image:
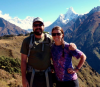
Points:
x=35, y=61
x=38, y=58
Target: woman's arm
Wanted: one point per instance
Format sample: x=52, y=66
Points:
x=80, y=64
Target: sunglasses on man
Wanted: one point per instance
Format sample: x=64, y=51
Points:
x=54, y=34
x=36, y=25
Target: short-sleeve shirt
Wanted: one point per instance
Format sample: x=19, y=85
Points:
x=38, y=59
x=61, y=64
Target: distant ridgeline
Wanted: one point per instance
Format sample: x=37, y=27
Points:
x=11, y=36
x=7, y=28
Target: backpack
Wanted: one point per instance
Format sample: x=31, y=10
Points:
x=46, y=38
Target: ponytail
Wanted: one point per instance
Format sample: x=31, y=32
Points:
x=63, y=45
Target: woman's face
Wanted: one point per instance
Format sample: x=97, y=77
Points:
x=57, y=36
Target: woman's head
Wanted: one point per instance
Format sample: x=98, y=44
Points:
x=58, y=28
x=57, y=34
x=58, y=37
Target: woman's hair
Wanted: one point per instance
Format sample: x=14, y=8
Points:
x=59, y=28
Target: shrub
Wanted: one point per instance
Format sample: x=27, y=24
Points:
x=10, y=65
x=7, y=36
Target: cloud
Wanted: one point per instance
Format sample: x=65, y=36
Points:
x=5, y=16
x=22, y=23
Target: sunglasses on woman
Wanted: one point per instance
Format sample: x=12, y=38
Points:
x=54, y=34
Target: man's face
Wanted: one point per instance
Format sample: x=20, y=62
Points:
x=38, y=28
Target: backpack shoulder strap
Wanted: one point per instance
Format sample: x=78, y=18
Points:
x=48, y=38
x=30, y=44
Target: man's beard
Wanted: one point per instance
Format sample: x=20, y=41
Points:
x=38, y=32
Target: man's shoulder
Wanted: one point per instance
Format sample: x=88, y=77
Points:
x=49, y=36
x=27, y=39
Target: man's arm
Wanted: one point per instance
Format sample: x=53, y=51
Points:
x=23, y=70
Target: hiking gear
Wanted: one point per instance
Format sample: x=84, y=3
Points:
x=30, y=69
x=54, y=34
x=38, y=19
x=38, y=52
x=35, y=25
x=39, y=79
x=32, y=42
x=77, y=68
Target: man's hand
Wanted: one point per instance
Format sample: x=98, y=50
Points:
x=72, y=46
x=25, y=83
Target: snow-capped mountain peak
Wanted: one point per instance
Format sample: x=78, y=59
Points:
x=71, y=10
x=70, y=14
x=65, y=18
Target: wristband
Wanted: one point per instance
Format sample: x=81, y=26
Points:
x=77, y=68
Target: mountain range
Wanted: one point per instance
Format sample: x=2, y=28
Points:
x=63, y=19
x=69, y=18
x=7, y=28
x=87, y=38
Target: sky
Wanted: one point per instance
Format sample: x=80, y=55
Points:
x=48, y=10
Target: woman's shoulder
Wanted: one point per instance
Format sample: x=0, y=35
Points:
x=66, y=43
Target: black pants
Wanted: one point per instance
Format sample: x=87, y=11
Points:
x=39, y=79
x=73, y=83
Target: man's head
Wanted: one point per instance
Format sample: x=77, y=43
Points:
x=38, y=26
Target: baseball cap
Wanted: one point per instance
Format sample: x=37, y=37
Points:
x=38, y=19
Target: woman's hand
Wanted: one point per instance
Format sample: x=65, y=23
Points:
x=72, y=46
x=71, y=70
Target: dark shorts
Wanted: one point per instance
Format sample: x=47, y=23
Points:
x=39, y=79
x=73, y=83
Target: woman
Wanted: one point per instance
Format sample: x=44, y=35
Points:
x=62, y=60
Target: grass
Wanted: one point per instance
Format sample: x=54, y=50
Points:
x=9, y=80
x=11, y=47
x=87, y=76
